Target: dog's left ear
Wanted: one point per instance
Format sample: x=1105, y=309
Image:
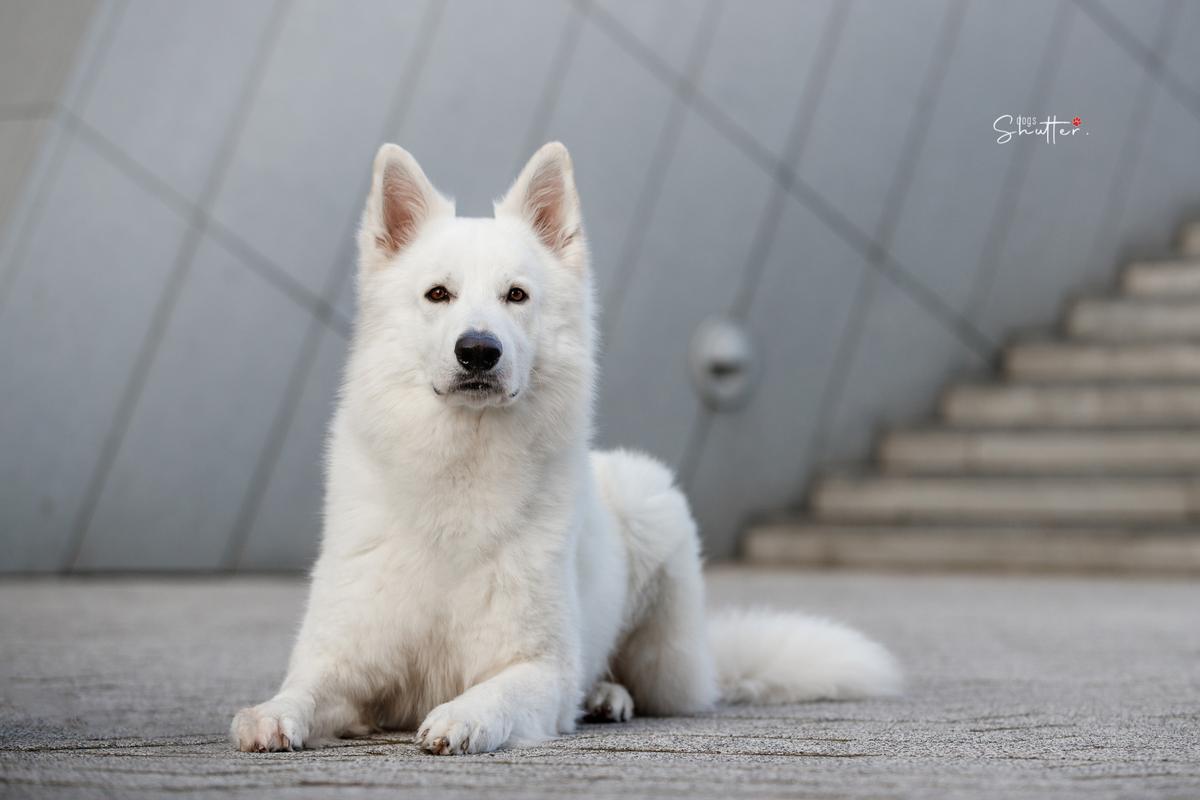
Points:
x=544, y=196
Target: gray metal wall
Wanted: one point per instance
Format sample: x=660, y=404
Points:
x=175, y=280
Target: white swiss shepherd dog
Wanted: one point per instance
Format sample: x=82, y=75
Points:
x=485, y=579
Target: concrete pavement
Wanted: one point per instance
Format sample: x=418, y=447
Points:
x=1018, y=687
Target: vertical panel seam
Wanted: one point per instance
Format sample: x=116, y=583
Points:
x=801, y=127
x=760, y=249
x=172, y=291
x=682, y=86
x=1147, y=57
x=560, y=64
x=266, y=269
x=812, y=200
x=852, y=332
x=1014, y=179
x=285, y=414
x=79, y=87
x=1131, y=149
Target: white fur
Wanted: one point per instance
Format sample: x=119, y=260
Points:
x=484, y=579
x=766, y=656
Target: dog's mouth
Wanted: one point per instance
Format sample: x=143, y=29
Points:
x=476, y=386
x=473, y=388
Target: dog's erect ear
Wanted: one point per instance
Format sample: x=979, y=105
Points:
x=544, y=196
x=401, y=200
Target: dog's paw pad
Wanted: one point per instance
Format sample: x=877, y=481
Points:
x=262, y=730
x=609, y=702
x=455, y=729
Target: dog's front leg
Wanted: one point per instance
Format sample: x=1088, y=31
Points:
x=281, y=723
x=519, y=705
x=300, y=713
x=315, y=699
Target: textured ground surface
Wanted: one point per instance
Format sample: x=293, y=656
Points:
x=1019, y=687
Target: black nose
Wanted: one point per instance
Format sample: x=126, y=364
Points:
x=477, y=351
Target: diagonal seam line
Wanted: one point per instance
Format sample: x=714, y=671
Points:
x=882, y=263
x=801, y=127
x=682, y=88
x=274, y=275
x=321, y=307
x=841, y=225
x=22, y=237
x=649, y=60
x=1134, y=144
x=914, y=145
x=1005, y=212
x=560, y=64
x=756, y=152
x=26, y=112
x=76, y=90
x=285, y=415
x=173, y=289
x=1148, y=58
x=802, y=120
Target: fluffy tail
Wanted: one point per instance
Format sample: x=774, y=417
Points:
x=766, y=657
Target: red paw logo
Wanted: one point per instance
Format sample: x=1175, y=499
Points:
x=1077, y=122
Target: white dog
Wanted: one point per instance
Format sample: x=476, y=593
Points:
x=484, y=579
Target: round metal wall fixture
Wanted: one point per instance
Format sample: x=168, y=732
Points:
x=723, y=363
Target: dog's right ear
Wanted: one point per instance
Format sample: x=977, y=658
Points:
x=401, y=201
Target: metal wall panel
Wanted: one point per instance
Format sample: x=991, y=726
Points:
x=1060, y=207
x=176, y=286
x=71, y=323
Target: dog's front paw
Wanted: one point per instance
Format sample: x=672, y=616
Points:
x=267, y=729
x=609, y=702
x=456, y=727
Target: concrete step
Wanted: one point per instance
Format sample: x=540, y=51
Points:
x=892, y=498
x=1162, y=278
x=1096, y=548
x=1101, y=361
x=1123, y=319
x=1031, y=404
x=1041, y=451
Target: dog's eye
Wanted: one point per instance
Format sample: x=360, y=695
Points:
x=438, y=294
x=517, y=295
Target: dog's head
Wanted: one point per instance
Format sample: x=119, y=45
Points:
x=473, y=312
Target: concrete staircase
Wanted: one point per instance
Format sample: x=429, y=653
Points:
x=1082, y=454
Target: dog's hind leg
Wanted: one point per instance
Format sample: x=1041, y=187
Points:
x=664, y=659
x=608, y=702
